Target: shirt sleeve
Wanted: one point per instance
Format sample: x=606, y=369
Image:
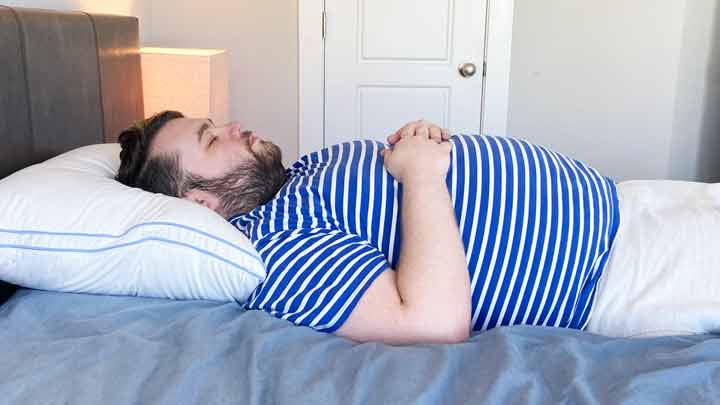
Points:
x=315, y=277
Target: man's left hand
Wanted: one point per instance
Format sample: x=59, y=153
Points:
x=420, y=128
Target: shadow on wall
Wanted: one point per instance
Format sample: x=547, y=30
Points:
x=708, y=162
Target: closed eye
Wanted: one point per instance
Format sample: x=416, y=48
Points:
x=214, y=138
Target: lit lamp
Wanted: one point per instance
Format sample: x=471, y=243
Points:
x=192, y=81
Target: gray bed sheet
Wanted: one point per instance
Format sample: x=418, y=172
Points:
x=60, y=348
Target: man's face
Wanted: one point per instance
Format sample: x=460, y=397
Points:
x=226, y=162
x=207, y=150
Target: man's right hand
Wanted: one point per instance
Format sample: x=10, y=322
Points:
x=418, y=159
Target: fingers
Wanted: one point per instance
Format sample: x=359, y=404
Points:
x=394, y=138
x=421, y=128
x=445, y=134
x=407, y=131
x=422, y=131
x=436, y=134
x=411, y=129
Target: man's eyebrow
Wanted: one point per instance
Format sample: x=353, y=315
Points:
x=202, y=130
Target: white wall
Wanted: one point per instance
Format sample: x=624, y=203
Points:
x=137, y=8
x=695, y=147
x=261, y=40
x=622, y=85
x=631, y=87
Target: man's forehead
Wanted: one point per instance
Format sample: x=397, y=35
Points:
x=182, y=126
x=176, y=133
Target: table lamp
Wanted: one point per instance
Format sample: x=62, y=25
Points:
x=192, y=81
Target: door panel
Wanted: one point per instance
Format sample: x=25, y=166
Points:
x=390, y=62
x=382, y=19
x=380, y=108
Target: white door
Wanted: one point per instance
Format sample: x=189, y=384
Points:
x=388, y=62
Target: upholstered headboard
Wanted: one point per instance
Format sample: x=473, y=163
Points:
x=67, y=79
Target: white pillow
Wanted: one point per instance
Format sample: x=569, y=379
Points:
x=67, y=225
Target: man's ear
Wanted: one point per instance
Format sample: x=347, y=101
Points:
x=205, y=198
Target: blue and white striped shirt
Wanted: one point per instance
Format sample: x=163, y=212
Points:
x=537, y=229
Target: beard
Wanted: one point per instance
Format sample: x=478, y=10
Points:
x=246, y=186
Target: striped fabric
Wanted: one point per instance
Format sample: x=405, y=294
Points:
x=537, y=229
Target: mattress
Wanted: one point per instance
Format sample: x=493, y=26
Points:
x=72, y=348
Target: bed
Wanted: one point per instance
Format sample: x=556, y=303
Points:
x=64, y=348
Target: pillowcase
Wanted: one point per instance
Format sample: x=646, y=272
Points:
x=67, y=225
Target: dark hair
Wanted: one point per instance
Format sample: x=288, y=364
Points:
x=157, y=174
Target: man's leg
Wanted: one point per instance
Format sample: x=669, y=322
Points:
x=663, y=275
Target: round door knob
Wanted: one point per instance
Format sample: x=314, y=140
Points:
x=467, y=69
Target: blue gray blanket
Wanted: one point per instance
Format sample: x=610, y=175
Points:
x=82, y=349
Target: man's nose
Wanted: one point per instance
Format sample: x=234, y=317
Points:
x=232, y=129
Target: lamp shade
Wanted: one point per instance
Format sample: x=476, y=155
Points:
x=192, y=81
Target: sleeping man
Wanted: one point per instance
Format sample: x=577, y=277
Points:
x=423, y=239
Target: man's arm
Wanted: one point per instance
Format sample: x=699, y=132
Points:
x=428, y=298
x=433, y=278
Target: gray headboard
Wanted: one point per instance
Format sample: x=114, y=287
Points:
x=67, y=79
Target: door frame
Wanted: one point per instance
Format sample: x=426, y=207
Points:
x=311, y=71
